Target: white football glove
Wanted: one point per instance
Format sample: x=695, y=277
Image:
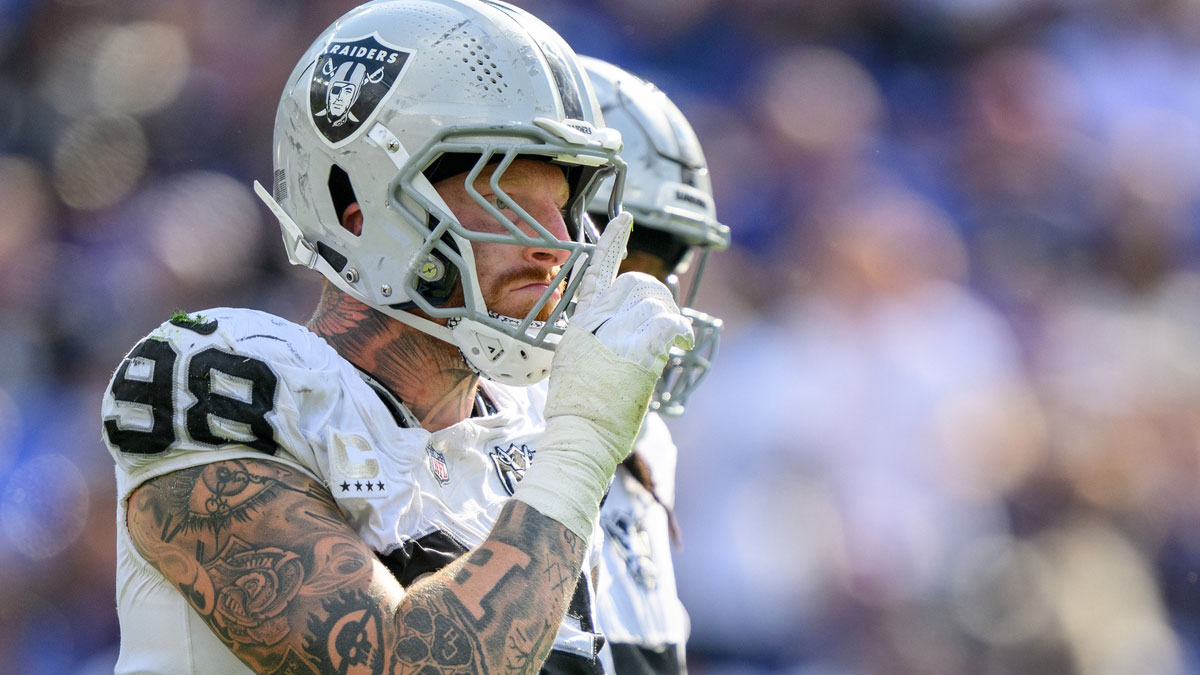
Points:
x=603, y=374
x=633, y=314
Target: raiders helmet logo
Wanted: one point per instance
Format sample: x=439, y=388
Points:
x=351, y=78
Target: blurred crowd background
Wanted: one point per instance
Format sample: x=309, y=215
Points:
x=954, y=427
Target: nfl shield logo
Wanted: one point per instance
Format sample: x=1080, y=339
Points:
x=437, y=465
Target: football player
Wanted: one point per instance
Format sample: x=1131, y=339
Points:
x=669, y=193
x=378, y=491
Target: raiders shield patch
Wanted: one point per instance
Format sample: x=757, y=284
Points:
x=351, y=78
x=511, y=464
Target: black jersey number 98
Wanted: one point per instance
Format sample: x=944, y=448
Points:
x=152, y=386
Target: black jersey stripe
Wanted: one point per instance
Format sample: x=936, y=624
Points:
x=562, y=663
x=423, y=556
x=630, y=659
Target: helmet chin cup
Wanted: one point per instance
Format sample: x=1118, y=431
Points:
x=501, y=357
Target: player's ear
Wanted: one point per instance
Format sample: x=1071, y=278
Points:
x=352, y=219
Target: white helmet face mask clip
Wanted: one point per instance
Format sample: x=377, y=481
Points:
x=391, y=92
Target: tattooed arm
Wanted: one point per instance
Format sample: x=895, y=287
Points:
x=262, y=553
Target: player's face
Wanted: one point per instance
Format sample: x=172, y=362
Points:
x=513, y=277
x=341, y=97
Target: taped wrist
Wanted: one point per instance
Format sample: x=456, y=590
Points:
x=594, y=408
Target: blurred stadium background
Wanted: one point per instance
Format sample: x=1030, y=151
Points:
x=955, y=424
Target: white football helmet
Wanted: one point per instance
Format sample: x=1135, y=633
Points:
x=399, y=94
x=669, y=192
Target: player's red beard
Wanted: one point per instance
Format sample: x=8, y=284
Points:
x=499, y=297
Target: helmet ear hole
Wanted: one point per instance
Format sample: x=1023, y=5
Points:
x=341, y=192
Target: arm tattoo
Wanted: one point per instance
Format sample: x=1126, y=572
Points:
x=263, y=555
x=255, y=547
x=495, y=612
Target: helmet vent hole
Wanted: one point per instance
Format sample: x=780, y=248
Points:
x=476, y=56
x=281, y=190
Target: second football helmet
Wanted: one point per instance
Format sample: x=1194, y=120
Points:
x=669, y=192
x=399, y=94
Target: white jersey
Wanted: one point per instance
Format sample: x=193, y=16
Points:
x=637, y=605
x=248, y=385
